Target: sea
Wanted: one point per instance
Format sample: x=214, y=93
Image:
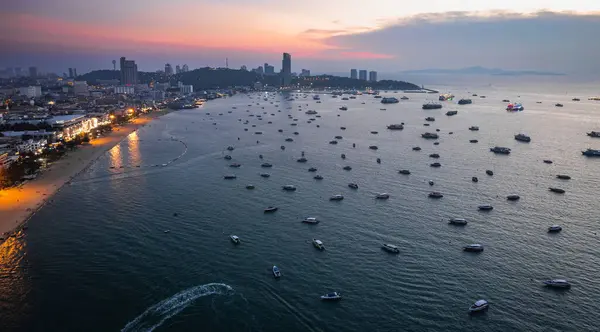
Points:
x=140, y=241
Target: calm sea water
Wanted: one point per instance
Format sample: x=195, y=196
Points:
x=98, y=258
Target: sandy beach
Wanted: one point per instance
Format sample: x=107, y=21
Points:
x=18, y=204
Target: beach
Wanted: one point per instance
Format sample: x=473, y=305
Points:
x=19, y=203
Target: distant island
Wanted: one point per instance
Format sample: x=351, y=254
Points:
x=477, y=70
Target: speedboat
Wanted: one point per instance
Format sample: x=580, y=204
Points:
x=227, y=157
x=474, y=179
x=271, y=209
x=489, y=172
x=343, y=108
x=347, y=168
x=318, y=177
x=416, y=148
x=523, y=138
x=563, y=177
x=473, y=248
x=335, y=296
x=557, y=190
x=373, y=147
x=500, y=150
x=312, y=169
x=333, y=142
x=289, y=139
x=234, y=239
x=479, y=306
x=235, y=165
x=431, y=183
x=435, y=165
x=382, y=196
x=485, y=207
x=404, y=98
x=310, y=220
x=429, y=118
x=404, y=171
x=338, y=137
x=230, y=148
x=250, y=186
x=266, y=165
x=513, y=197
x=473, y=141
x=554, y=229
x=435, y=194
x=374, y=132
x=353, y=185
x=557, y=283
x=302, y=160
x=558, y=105
x=289, y=187
x=474, y=128
x=318, y=244
x=343, y=128
x=457, y=221
x=591, y=153
x=434, y=155
x=276, y=272
x=336, y=198
x=229, y=177
x=265, y=175
x=390, y=248
x=547, y=161
x=451, y=113
x=343, y=156
x=594, y=134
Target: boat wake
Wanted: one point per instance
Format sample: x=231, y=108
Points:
x=157, y=314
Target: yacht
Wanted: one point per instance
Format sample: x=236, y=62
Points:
x=473, y=248
x=234, y=239
x=333, y=142
x=434, y=155
x=591, y=153
x=500, y=150
x=271, y=209
x=395, y=127
x=389, y=100
x=513, y=197
x=289, y=187
x=435, y=165
x=416, y=148
x=435, y=194
x=265, y=175
x=557, y=190
x=235, y=165
x=352, y=185
x=523, y=138
x=390, y=248
x=431, y=106
x=457, y=221
x=404, y=171
x=557, y=283
x=429, y=118
x=473, y=141
x=318, y=244
x=430, y=135
x=479, y=306
x=312, y=169
x=318, y=177
x=250, y=186
x=266, y=165
x=485, y=207
x=465, y=101
x=594, y=134
x=373, y=147
x=563, y=177
x=230, y=177
x=382, y=196
x=310, y=220
x=474, y=128
x=450, y=113
x=335, y=296
x=347, y=168
x=302, y=160
x=554, y=229
x=276, y=272
x=336, y=198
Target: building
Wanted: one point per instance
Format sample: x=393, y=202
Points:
x=73, y=125
x=168, y=69
x=124, y=89
x=269, y=70
x=5, y=159
x=128, y=72
x=258, y=70
x=33, y=73
x=373, y=76
x=362, y=75
x=244, y=68
x=31, y=145
x=80, y=88
x=70, y=72
x=186, y=89
x=31, y=91
x=74, y=72
x=286, y=69
x=177, y=69
x=156, y=95
x=353, y=74
x=185, y=68
x=305, y=73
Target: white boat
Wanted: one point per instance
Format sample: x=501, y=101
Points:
x=390, y=248
x=557, y=283
x=383, y=196
x=457, y=221
x=318, y=244
x=478, y=306
x=310, y=220
x=234, y=239
x=335, y=296
x=276, y=272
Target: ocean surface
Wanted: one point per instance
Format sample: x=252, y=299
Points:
x=140, y=241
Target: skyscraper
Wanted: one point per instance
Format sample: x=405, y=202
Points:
x=305, y=73
x=286, y=70
x=177, y=69
x=33, y=72
x=362, y=74
x=70, y=72
x=373, y=76
x=75, y=72
x=269, y=70
x=128, y=71
x=185, y=68
x=353, y=74
x=168, y=69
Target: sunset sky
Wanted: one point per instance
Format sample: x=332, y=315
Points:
x=325, y=35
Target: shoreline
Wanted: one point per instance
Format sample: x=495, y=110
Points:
x=19, y=204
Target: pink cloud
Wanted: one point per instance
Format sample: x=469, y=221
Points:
x=365, y=55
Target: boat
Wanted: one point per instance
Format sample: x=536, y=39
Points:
x=265, y=175
x=373, y=147
x=465, y=102
x=316, y=97
x=523, y=138
x=489, y=172
x=374, y=132
x=312, y=169
x=389, y=100
x=429, y=118
x=282, y=147
x=318, y=244
x=591, y=153
x=563, y=177
x=554, y=229
x=451, y=113
x=426, y=124
x=558, y=105
x=474, y=128
x=485, y=207
x=289, y=139
x=557, y=283
x=234, y=239
x=416, y=148
x=310, y=220
x=266, y=165
x=479, y=306
x=575, y=99
x=431, y=183
x=335, y=296
x=276, y=272
x=395, y=127
x=343, y=108
x=310, y=112
x=473, y=141
x=434, y=155
x=250, y=186
x=500, y=150
x=557, y=190
x=431, y=106
x=505, y=101
x=352, y=185
x=382, y=196
x=338, y=137
x=289, y=187
x=435, y=165
x=229, y=177
x=227, y=157
x=235, y=165
x=271, y=209
x=333, y=142
x=404, y=171
x=336, y=198
x=430, y=135
x=404, y=98
x=474, y=179
x=457, y=221
x=594, y=134
x=473, y=248
x=547, y=161
x=446, y=96
x=343, y=128
x=514, y=107
x=390, y=248
x=435, y=194
x=302, y=160
x=230, y=148
x=343, y=156
x=318, y=177
x=513, y=197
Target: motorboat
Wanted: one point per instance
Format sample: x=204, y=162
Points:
x=429, y=118
x=266, y=165
x=557, y=283
x=338, y=137
x=558, y=105
x=430, y=135
x=302, y=160
x=276, y=272
x=310, y=220
x=382, y=196
x=557, y=190
x=404, y=171
x=523, y=138
x=473, y=248
x=347, y=168
x=489, y=172
x=404, y=98
x=289, y=139
x=343, y=128
x=474, y=128
x=474, y=179
x=318, y=177
x=451, y=113
x=336, y=198
x=343, y=108
x=435, y=165
x=374, y=132
x=352, y=185
x=227, y=157
x=289, y=187
x=235, y=165
x=479, y=306
x=547, y=161
x=318, y=244
x=389, y=100
x=343, y=156
x=513, y=197
x=514, y=107
x=435, y=194
x=473, y=141
x=594, y=134
x=563, y=177
x=432, y=106
x=434, y=155
x=390, y=248
x=265, y=175
x=333, y=142
x=335, y=296
x=457, y=221
x=271, y=209
x=500, y=150
x=230, y=148
x=465, y=102
x=591, y=153
x=554, y=229
x=395, y=127
x=229, y=177
x=485, y=207
x=250, y=186
x=416, y=148
x=234, y=239
x=312, y=169
x=373, y=147
x=431, y=183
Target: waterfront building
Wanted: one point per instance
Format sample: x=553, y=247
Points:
x=373, y=76
x=286, y=69
x=124, y=89
x=128, y=72
x=186, y=89
x=353, y=73
x=269, y=70
x=305, y=73
x=362, y=75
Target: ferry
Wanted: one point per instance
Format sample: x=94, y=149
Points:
x=514, y=107
x=397, y=127
x=431, y=106
x=446, y=97
x=389, y=100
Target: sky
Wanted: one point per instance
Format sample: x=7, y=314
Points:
x=321, y=35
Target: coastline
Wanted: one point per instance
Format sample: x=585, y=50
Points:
x=19, y=204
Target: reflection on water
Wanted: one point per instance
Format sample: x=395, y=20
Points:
x=13, y=285
x=115, y=156
x=133, y=149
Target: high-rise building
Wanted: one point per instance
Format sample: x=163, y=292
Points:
x=18, y=72
x=75, y=72
x=269, y=70
x=177, y=69
x=31, y=91
x=373, y=76
x=185, y=68
x=71, y=72
x=168, y=69
x=286, y=70
x=258, y=70
x=244, y=68
x=33, y=72
x=80, y=88
x=128, y=72
x=305, y=73
x=362, y=74
x=353, y=74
